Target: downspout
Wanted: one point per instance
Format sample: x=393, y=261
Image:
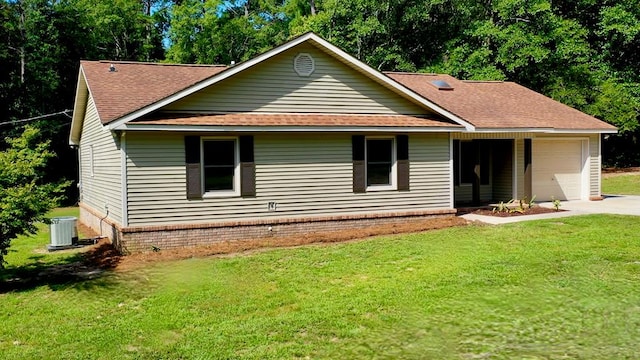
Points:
x=106, y=207
x=452, y=200
x=123, y=179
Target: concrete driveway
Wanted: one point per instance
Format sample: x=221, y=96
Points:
x=612, y=204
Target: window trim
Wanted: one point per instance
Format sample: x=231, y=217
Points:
x=236, y=169
x=394, y=165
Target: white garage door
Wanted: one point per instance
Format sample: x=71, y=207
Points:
x=557, y=169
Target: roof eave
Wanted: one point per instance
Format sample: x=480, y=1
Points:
x=79, y=108
x=283, y=128
x=549, y=130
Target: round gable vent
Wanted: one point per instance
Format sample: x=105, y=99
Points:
x=303, y=64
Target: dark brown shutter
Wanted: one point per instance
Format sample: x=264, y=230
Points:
x=359, y=166
x=247, y=167
x=192, y=160
x=402, y=143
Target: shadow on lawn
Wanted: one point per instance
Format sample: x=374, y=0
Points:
x=74, y=271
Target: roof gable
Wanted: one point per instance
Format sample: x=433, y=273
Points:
x=314, y=40
x=274, y=86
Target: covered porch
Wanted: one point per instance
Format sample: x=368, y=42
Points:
x=489, y=168
x=485, y=171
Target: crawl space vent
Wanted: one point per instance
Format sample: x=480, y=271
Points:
x=303, y=64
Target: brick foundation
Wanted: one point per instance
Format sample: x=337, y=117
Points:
x=145, y=238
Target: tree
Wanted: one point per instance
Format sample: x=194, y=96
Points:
x=41, y=43
x=219, y=32
x=24, y=198
x=123, y=29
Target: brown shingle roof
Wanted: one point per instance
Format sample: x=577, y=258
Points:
x=497, y=104
x=486, y=105
x=322, y=120
x=135, y=85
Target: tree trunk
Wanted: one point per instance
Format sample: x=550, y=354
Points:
x=146, y=7
x=22, y=65
x=22, y=43
x=312, y=5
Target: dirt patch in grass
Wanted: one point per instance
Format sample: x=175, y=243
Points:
x=241, y=246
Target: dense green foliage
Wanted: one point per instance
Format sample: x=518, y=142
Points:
x=24, y=199
x=41, y=43
x=584, y=53
x=554, y=289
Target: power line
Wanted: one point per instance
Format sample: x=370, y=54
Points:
x=37, y=117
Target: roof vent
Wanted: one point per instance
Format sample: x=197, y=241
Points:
x=441, y=85
x=303, y=64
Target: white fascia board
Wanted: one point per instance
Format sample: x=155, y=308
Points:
x=260, y=58
x=390, y=82
x=545, y=130
x=298, y=129
x=79, y=108
x=212, y=80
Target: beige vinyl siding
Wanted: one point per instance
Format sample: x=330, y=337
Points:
x=519, y=155
x=274, y=87
x=103, y=188
x=305, y=174
x=464, y=193
x=595, y=165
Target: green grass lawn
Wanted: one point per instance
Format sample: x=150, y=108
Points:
x=621, y=185
x=558, y=289
x=31, y=251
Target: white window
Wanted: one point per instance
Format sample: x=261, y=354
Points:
x=220, y=166
x=381, y=163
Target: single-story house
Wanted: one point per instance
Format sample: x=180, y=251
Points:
x=307, y=138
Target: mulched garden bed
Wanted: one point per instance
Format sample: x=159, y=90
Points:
x=486, y=211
